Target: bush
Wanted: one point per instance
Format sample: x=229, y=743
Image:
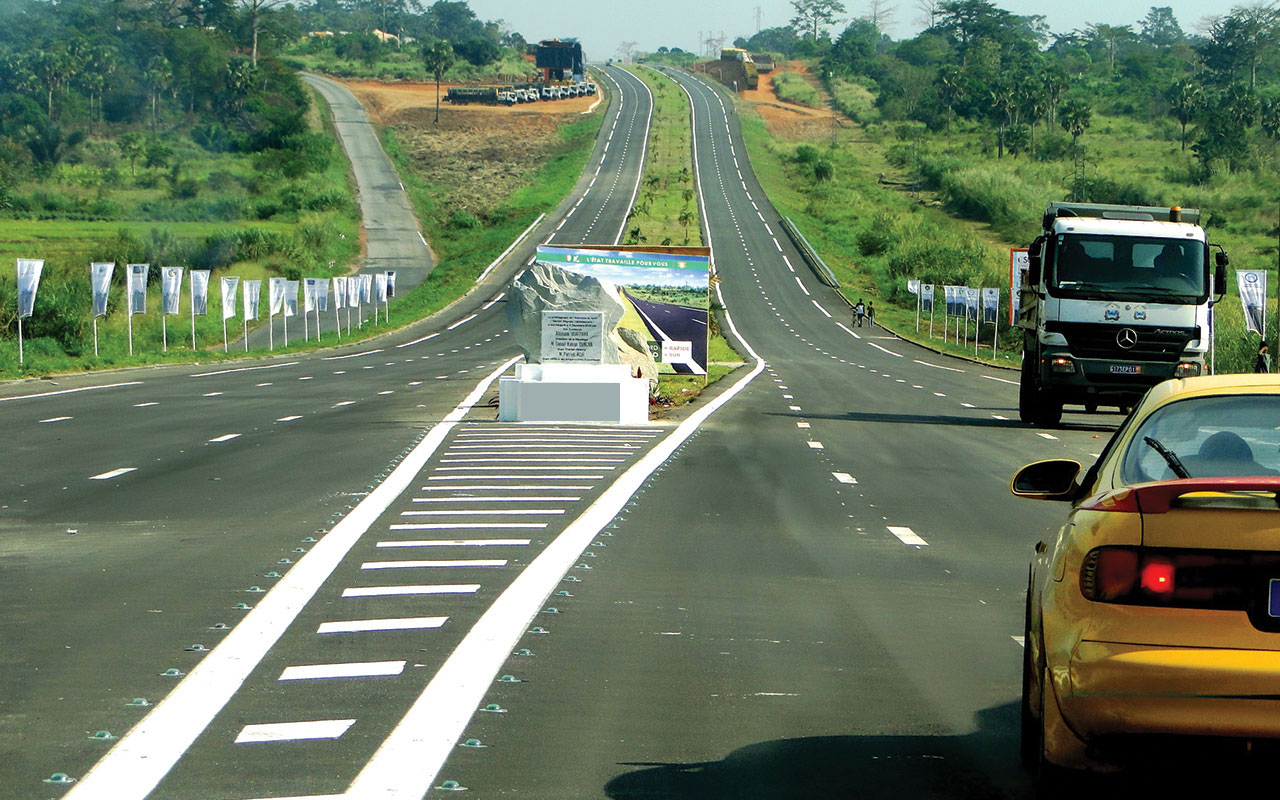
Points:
x=807, y=154
x=791, y=88
x=876, y=239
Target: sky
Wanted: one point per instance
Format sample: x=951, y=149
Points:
x=603, y=25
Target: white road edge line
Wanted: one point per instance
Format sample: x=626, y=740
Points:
x=142, y=757
x=1001, y=380
x=243, y=369
x=68, y=391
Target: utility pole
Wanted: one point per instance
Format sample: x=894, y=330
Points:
x=758, y=16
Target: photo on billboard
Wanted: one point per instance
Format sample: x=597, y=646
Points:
x=664, y=292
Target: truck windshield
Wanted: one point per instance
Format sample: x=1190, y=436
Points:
x=1151, y=269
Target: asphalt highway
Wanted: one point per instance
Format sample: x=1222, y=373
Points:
x=810, y=588
x=140, y=508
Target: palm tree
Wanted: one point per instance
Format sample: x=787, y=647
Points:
x=685, y=219
x=438, y=57
x=1185, y=99
x=1074, y=117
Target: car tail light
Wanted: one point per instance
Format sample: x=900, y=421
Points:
x=1221, y=579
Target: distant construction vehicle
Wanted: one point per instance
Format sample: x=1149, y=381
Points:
x=764, y=62
x=560, y=60
x=735, y=69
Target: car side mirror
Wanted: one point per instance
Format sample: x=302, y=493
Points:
x=1047, y=480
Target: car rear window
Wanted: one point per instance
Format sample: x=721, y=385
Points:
x=1212, y=437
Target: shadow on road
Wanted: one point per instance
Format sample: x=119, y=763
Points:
x=982, y=765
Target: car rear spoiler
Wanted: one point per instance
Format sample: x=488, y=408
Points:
x=1160, y=497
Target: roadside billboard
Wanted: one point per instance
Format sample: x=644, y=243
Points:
x=664, y=291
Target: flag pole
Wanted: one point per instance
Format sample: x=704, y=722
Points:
x=22, y=359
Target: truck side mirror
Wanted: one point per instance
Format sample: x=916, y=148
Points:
x=1035, y=261
x=1220, y=278
x=1220, y=258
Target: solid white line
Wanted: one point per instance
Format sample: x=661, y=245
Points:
x=456, y=543
x=344, y=403
x=56, y=419
x=1001, y=380
x=517, y=478
x=142, y=757
x=907, y=536
x=358, y=669
x=1002, y=419
x=226, y=437
x=419, y=340
x=68, y=391
x=112, y=474
x=461, y=321
x=531, y=469
x=845, y=477
x=847, y=330
x=937, y=366
x=212, y=394
x=815, y=446
x=145, y=405
x=395, y=591
x=389, y=624
x=1047, y=436
x=510, y=247
x=243, y=369
x=820, y=308
x=352, y=355
x=883, y=350
x=290, y=418
x=801, y=285
x=288, y=732
x=572, y=459
x=491, y=303
x=433, y=564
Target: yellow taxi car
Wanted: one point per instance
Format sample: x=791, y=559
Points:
x=1153, y=613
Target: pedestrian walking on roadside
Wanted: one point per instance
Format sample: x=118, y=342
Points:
x=871, y=314
x=1263, y=364
x=859, y=312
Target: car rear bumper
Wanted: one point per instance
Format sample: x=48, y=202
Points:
x=1142, y=689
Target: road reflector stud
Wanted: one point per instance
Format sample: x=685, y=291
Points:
x=598, y=544
x=551, y=610
x=494, y=708
x=172, y=672
x=473, y=743
x=451, y=786
x=583, y=566
x=272, y=574
x=102, y=736
x=219, y=626
x=588, y=554
x=197, y=648
x=508, y=679
x=309, y=540
x=60, y=778
x=242, y=607
x=138, y=702
x=563, y=593
x=524, y=652
x=538, y=629
x=255, y=590
x=284, y=561
x=573, y=579
x=299, y=550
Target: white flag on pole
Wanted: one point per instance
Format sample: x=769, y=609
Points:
x=339, y=293
x=229, y=297
x=252, y=291
x=29, y=270
x=322, y=294
x=170, y=289
x=971, y=303
x=100, y=280
x=309, y=294
x=276, y=289
x=380, y=287
x=913, y=286
x=391, y=283
x=199, y=292
x=366, y=288
x=137, y=288
x=1253, y=298
x=990, y=303
x=926, y=297
x=291, y=298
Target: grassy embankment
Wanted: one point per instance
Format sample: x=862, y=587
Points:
x=232, y=213
x=904, y=203
x=465, y=245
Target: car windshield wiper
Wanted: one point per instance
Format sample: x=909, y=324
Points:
x=1169, y=456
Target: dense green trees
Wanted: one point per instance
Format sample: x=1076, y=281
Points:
x=981, y=63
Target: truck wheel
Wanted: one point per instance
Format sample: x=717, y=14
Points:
x=1027, y=395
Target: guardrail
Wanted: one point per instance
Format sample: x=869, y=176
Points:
x=810, y=255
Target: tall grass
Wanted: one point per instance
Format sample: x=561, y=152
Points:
x=792, y=88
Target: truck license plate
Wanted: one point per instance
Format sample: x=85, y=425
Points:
x=1126, y=369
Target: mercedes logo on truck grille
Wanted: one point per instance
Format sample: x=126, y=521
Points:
x=1127, y=338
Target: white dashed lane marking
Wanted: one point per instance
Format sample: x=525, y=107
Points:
x=907, y=536
x=294, y=731
x=226, y=437
x=393, y=624
x=361, y=669
x=56, y=419
x=413, y=589
x=115, y=473
x=845, y=477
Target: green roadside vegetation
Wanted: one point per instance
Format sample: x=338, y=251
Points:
x=466, y=240
x=666, y=211
x=967, y=129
